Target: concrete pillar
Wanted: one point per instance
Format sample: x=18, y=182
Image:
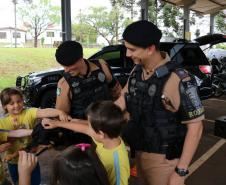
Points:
x=66, y=19
x=212, y=16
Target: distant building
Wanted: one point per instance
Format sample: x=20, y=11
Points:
x=52, y=36
x=8, y=34
x=49, y=37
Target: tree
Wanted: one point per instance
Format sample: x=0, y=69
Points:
x=106, y=24
x=82, y=31
x=38, y=15
x=161, y=13
x=221, y=22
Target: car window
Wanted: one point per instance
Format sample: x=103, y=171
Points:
x=112, y=58
x=193, y=56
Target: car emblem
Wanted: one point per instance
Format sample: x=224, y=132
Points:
x=101, y=77
x=151, y=90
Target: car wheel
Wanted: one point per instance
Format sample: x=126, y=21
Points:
x=48, y=99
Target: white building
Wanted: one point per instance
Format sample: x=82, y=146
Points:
x=8, y=34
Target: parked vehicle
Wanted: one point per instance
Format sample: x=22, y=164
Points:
x=40, y=88
x=217, y=59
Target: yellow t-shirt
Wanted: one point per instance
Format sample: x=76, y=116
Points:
x=116, y=163
x=25, y=120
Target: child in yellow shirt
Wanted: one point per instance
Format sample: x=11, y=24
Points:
x=105, y=121
x=18, y=117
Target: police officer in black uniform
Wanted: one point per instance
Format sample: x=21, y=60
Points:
x=166, y=113
x=83, y=82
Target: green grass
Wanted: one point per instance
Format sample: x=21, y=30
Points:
x=21, y=61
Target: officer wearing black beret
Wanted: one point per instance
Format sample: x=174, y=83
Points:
x=83, y=82
x=166, y=114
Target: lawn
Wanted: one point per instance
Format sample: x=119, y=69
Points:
x=21, y=61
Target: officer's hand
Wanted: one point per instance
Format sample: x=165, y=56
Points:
x=63, y=116
x=48, y=123
x=175, y=179
x=4, y=147
x=167, y=104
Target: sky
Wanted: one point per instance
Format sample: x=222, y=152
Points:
x=7, y=9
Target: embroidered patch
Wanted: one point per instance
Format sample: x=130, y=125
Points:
x=152, y=89
x=101, y=77
x=58, y=92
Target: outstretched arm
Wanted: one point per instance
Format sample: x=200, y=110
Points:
x=50, y=112
x=20, y=133
x=76, y=125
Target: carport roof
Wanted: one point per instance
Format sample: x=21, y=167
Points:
x=201, y=6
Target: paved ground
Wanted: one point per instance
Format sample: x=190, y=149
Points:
x=209, y=164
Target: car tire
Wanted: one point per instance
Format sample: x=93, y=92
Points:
x=48, y=99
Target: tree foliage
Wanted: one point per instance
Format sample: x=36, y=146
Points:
x=38, y=15
x=221, y=22
x=82, y=31
x=107, y=24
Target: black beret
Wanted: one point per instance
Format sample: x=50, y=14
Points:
x=142, y=34
x=68, y=53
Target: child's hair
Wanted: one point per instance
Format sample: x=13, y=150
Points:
x=7, y=93
x=76, y=166
x=107, y=117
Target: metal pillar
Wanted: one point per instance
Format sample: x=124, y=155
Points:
x=186, y=22
x=66, y=19
x=144, y=9
x=187, y=5
x=15, y=24
x=212, y=16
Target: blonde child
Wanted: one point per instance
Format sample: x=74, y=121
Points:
x=18, y=117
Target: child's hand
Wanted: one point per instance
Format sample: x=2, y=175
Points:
x=4, y=147
x=48, y=123
x=26, y=163
x=63, y=116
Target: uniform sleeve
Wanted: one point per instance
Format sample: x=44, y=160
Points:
x=183, y=98
x=191, y=107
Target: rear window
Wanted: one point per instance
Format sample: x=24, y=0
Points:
x=112, y=58
x=191, y=53
x=193, y=56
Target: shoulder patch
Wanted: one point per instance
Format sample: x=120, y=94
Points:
x=181, y=73
x=58, y=92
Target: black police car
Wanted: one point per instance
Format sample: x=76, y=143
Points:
x=40, y=88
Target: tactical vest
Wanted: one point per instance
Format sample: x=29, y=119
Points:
x=151, y=128
x=87, y=90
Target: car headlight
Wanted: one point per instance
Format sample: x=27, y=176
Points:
x=34, y=81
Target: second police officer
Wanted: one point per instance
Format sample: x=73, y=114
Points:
x=166, y=113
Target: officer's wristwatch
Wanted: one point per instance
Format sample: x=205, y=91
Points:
x=181, y=172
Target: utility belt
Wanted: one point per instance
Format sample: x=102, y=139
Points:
x=167, y=140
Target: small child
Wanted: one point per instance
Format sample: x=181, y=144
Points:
x=78, y=165
x=105, y=121
x=17, y=117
